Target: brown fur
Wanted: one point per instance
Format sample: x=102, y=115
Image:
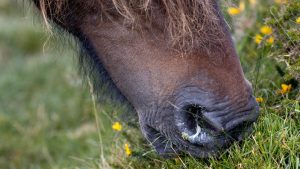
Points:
x=184, y=21
x=132, y=40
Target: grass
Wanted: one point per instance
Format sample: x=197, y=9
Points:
x=48, y=118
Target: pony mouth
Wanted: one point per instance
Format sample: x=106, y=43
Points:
x=216, y=141
x=202, y=144
x=205, y=137
x=200, y=137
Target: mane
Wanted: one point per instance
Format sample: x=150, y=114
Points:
x=185, y=22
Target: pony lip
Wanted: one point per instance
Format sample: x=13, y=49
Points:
x=200, y=137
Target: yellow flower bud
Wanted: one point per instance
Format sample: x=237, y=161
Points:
x=259, y=99
x=298, y=20
x=271, y=40
x=127, y=149
x=266, y=30
x=285, y=88
x=117, y=126
x=258, y=38
x=233, y=11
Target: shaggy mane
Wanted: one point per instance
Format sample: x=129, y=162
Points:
x=184, y=21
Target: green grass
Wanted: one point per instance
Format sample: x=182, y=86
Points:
x=48, y=118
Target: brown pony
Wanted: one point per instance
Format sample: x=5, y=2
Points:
x=173, y=60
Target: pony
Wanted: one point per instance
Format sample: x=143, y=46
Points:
x=173, y=61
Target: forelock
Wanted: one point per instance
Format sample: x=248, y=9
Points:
x=186, y=22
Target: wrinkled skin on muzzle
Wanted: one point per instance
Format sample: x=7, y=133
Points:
x=196, y=102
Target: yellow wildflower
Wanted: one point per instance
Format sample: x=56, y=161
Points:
x=242, y=6
x=259, y=99
x=281, y=1
x=127, y=149
x=253, y=2
x=258, y=38
x=285, y=88
x=298, y=20
x=233, y=11
x=266, y=30
x=271, y=40
x=117, y=126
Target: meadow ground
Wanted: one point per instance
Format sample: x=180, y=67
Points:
x=49, y=119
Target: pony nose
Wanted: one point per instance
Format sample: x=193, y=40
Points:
x=194, y=116
x=227, y=121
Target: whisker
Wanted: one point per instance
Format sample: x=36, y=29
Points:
x=156, y=139
x=173, y=105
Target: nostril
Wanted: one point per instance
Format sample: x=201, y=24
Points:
x=187, y=119
x=191, y=117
